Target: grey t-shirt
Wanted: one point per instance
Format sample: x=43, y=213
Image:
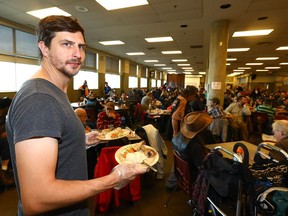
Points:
x=40, y=109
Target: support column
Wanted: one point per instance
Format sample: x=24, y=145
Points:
x=217, y=60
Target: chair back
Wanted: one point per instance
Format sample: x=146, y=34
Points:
x=182, y=173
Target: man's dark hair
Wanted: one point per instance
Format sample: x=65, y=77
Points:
x=48, y=26
x=189, y=90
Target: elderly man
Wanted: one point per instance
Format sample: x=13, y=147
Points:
x=82, y=115
x=236, y=112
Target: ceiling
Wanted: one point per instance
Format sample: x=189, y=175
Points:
x=165, y=18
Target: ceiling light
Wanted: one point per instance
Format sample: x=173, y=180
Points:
x=238, y=70
x=262, y=70
x=283, y=63
x=272, y=67
x=171, y=52
x=151, y=61
x=231, y=59
x=171, y=70
x=252, y=33
x=135, y=53
x=42, y=13
x=158, y=65
x=238, y=49
x=228, y=63
x=183, y=64
x=179, y=60
x=202, y=72
x=166, y=68
x=158, y=39
x=108, y=43
x=187, y=68
x=254, y=63
x=267, y=58
x=282, y=48
x=116, y=4
x=244, y=68
x=81, y=9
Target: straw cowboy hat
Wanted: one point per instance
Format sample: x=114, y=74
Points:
x=193, y=123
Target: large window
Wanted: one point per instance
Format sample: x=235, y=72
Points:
x=90, y=76
x=143, y=82
x=13, y=75
x=133, y=82
x=153, y=83
x=158, y=83
x=113, y=80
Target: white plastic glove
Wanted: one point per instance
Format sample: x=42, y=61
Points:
x=92, y=138
x=128, y=172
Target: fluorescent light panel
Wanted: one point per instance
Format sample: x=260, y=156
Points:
x=187, y=68
x=42, y=13
x=252, y=33
x=238, y=49
x=282, y=48
x=159, y=39
x=166, y=68
x=135, y=53
x=109, y=43
x=267, y=58
x=244, y=68
x=118, y=4
x=151, y=61
x=283, y=63
x=254, y=63
x=231, y=59
x=272, y=68
x=179, y=60
x=159, y=65
x=171, y=52
x=202, y=72
x=183, y=64
x=228, y=63
x=262, y=70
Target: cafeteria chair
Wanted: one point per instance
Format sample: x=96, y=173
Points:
x=111, y=198
x=182, y=173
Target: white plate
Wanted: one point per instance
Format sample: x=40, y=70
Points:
x=109, y=135
x=136, y=157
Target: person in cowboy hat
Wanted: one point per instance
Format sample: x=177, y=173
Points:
x=190, y=141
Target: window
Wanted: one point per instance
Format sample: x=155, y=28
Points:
x=143, y=82
x=90, y=76
x=13, y=75
x=133, y=82
x=6, y=42
x=153, y=83
x=26, y=44
x=158, y=83
x=113, y=80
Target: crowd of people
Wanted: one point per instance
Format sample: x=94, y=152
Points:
x=44, y=133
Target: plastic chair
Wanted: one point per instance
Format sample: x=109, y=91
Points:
x=182, y=173
x=131, y=192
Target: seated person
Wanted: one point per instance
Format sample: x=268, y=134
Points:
x=190, y=141
x=219, y=126
x=280, y=130
x=108, y=118
x=146, y=101
x=82, y=115
x=123, y=100
x=236, y=112
x=270, y=111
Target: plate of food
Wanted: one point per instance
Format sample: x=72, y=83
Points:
x=137, y=153
x=113, y=134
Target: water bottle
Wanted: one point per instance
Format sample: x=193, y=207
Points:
x=123, y=121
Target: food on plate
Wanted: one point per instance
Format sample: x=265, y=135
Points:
x=92, y=137
x=127, y=150
x=148, y=151
x=118, y=132
x=138, y=146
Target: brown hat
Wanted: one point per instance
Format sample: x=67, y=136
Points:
x=193, y=123
x=110, y=105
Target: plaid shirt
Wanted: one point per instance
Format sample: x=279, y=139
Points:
x=216, y=112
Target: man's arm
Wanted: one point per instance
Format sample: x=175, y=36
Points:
x=41, y=191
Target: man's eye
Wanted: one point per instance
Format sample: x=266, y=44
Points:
x=67, y=44
x=82, y=47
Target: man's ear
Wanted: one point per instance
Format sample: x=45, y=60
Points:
x=43, y=48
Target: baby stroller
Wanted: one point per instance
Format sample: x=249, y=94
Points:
x=271, y=175
x=228, y=181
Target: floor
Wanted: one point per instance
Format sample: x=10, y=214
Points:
x=154, y=195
